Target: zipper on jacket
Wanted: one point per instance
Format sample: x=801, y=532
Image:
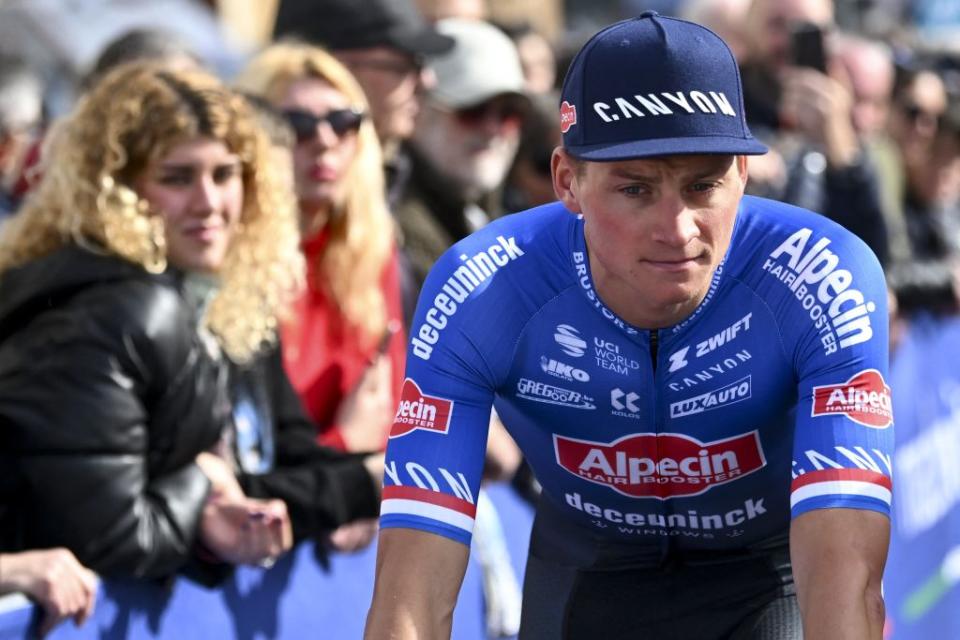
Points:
x=654, y=344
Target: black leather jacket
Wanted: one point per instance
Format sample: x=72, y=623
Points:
x=106, y=397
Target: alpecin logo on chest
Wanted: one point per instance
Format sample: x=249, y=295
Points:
x=665, y=465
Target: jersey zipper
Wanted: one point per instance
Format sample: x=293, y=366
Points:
x=667, y=545
x=654, y=340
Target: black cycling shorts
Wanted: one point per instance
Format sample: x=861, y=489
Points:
x=742, y=598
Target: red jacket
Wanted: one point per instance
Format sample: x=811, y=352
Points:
x=325, y=357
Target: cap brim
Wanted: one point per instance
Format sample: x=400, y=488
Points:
x=720, y=145
x=423, y=43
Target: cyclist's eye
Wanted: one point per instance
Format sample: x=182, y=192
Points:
x=703, y=189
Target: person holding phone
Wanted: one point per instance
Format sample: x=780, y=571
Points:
x=800, y=101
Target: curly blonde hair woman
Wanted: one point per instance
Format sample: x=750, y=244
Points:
x=343, y=348
x=88, y=197
x=110, y=393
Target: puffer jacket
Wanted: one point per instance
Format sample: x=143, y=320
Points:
x=107, y=394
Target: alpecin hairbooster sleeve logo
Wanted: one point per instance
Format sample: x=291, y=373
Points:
x=864, y=398
x=664, y=465
x=420, y=411
x=568, y=116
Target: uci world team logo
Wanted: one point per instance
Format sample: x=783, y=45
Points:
x=568, y=337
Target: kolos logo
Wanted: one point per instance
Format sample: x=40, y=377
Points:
x=420, y=411
x=864, y=398
x=665, y=465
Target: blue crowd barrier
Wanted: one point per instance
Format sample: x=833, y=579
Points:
x=297, y=598
x=923, y=568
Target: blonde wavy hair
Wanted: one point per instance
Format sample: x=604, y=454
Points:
x=132, y=117
x=361, y=230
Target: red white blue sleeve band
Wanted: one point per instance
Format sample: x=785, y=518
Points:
x=427, y=510
x=830, y=488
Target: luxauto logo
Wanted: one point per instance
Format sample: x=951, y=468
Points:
x=664, y=465
x=570, y=342
x=420, y=411
x=722, y=397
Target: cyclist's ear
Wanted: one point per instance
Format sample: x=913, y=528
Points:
x=567, y=171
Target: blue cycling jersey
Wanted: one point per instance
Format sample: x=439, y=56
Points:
x=768, y=401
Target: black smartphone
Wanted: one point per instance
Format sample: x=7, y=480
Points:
x=806, y=45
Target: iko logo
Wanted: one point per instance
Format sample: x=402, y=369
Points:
x=726, y=395
x=624, y=403
x=563, y=371
x=549, y=394
x=864, y=398
x=570, y=341
x=420, y=411
x=663, y=465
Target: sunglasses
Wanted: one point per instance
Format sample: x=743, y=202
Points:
x=917, y=114
x=504, y=111
x=341, y=121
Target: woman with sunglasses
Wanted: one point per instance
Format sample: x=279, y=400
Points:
x=343, y=347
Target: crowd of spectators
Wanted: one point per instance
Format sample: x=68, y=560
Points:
x=207, y=277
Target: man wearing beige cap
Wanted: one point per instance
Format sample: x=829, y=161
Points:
x=464, y=142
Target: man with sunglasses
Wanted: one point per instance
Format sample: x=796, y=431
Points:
x=464, y=143
x=695, y=376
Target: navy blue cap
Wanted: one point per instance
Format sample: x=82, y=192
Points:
x=653, y=86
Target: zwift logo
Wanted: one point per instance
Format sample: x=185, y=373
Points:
x=678, y=360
